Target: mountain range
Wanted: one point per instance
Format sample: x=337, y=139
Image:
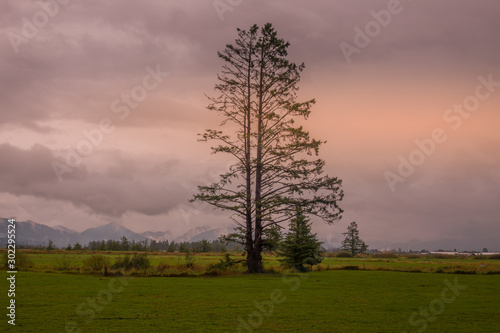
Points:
x=31, y=233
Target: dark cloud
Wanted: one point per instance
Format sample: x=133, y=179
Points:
x=93, y=52
x=122, y=187
x=90, y=53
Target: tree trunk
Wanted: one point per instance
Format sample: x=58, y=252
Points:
x=254, y=261
x=248, y=165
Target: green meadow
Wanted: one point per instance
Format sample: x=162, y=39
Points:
x=50, y=262
x=380, y=295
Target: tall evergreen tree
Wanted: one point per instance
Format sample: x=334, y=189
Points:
x=300, y=247
x=272, y=173
x=352, y=242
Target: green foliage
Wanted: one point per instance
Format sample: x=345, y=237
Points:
x=224, y=264
x=96, y=262
x=300, y=248
x=51, y=246
x=23, y=261
x=172, y=247
x=189, y=259
x=204, y=246
x=272, y=238
x=387, y=255
x=352, y=242
x=344, y=254
x=63, y=262
x=183, y=247
x=125, y=244
x=414, y=256
x=122, y=263
x=138, y=261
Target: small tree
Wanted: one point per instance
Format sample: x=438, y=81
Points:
x=205, y=246
x=300, y=247
x=352, y=242
x=125, y=244
x=189, y=258
x=183, y=247
x=171, y=247
x=77, y=247
x=51, y=245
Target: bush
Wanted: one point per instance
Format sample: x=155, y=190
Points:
x=63, y=263
x=122, y=263
x=140, y=261
x=495, y=256
x=386, y=255
x=23, y=261
x=223, y=264
x=441, y=256
x=414, y=256
x=163, y=267
x=350, y=268
x=189, y=259
x=137, y=261
x=344, y=254
x=96, y=262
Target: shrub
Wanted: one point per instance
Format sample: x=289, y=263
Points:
x=495, y=256
x=163, y=267
x=459, y=271
x=441, y=256
x=63, y=263
x=96, y=262
x=140, y=261
x=23, y=261
x=344, y=254
x=387, y=255
x=223, y=264
x=137, y=261
x=122, y=263
x=414, y=256
x=189, y=259
x=350, y=268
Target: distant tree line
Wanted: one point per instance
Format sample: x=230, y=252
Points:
x=124, y=244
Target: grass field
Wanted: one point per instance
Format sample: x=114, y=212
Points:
x=345, y=295
x=329, y=301
x=48, y=262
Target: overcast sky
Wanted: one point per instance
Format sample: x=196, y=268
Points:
x=100, y=104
